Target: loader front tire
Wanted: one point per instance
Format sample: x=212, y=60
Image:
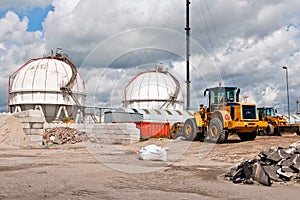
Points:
x=190, y=129
x=216, y=132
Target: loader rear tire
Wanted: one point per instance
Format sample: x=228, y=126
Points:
x=269, y=130
x=216, y=132
x=190, y=129
x=247, y=136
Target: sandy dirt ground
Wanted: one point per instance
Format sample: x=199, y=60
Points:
x=193, y=170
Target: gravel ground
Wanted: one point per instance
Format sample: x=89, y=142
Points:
x=193, y=170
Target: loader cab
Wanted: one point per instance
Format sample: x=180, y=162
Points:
x=266, y=112
x=220, y=96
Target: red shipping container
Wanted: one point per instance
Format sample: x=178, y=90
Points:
x=154, y=129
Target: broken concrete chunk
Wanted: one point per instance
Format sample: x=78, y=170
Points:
x=247, y=168
x=231, y=172
x=286, y=175
x=282, y=164
x=274, y=156
x=295, y=158
x=237, y=180
x=271, y=172
x=287, y=169
x=260, y=175
x=295, y=145
x=238, y=174
x=285, y=153
x=61, y=135
x=265, y=154
x=296, y=167
x=297, y=151
x=286, y=163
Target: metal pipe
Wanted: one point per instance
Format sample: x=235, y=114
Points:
x=287, y=91
x=187, y=28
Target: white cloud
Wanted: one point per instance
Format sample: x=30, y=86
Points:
x=17, y=45
x=21, y=4
x=264, y=96
x=244, y=43
x=13, y=30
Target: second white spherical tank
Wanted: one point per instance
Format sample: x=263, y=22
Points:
x=154, y=89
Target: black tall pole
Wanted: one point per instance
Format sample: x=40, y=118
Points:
x=287, y=90
x=187, y=28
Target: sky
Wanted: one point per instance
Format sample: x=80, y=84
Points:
x=241, y=43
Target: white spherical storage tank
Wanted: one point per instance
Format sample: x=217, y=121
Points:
x=50, y=84
x=154, y=89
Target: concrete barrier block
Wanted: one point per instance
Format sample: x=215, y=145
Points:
x=35, y=138
x=20, y=114
x=130, y=132
x=27, y=131
x=123, y=126
x=114, y=126
x=89, y=126
x=37, y=131
x=26, y=125
x=104, y=141
x=121, y=141
x=80, y=126
x=110, y=131
x=114, y=136
x=34, y=113
x=32, y=119
x=46, y=125
x=86, y=130
x=135, y=138
x=98, y=126
x=37, y=125
x=111, y=139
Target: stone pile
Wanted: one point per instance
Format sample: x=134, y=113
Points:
x=61, y=135
x=274, y=165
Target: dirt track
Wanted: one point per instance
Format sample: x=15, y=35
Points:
x=84, y=171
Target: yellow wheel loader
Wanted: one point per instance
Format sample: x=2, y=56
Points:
x=225, y=115
x=277, y=125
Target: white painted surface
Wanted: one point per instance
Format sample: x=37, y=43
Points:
x=151, y=90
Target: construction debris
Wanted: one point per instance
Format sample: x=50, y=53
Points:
x=273, y=165
x=61, y=135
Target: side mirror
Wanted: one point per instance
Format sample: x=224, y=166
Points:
x=205, y=91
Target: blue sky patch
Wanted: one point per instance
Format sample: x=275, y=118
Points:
x=35, y=16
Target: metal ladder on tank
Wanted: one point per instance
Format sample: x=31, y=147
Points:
x=67, y=90
x=174, y=96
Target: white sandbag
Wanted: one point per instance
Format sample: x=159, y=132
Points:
x=153, y=152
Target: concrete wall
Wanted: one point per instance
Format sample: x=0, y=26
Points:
x=33, y=124
x=107, y=133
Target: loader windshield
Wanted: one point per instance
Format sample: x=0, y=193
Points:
x=219, y=96
x=266, y=112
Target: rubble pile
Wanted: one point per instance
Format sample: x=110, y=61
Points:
x=274, y=165
x=61, y=135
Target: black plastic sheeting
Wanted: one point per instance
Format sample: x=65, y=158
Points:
x=273, y=165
